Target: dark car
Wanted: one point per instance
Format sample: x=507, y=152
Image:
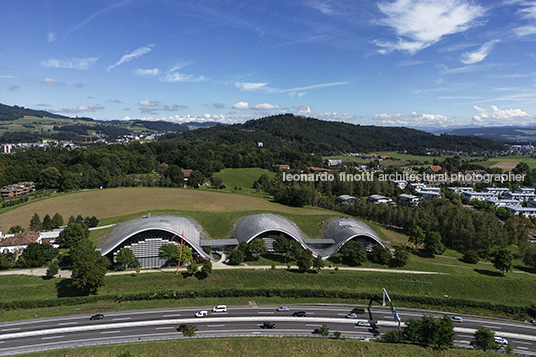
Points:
x=316, y=330
x=299, y=314
x=182, y=327
x=268, y=325
x=97, y=317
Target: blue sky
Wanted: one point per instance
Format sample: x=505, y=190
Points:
x=422, y=63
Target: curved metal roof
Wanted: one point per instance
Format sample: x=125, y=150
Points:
x=248, y=227
x=176, y=225
x=341, y=230
x=337, y=230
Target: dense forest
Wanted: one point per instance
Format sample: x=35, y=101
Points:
x=326, y=138
x=149, y=164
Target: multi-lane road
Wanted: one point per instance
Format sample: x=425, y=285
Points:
x=143, y=325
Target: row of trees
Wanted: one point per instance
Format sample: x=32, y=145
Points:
x=438, y=333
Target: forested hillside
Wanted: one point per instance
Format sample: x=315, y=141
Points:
x=311, y=135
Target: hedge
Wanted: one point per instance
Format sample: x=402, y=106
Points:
x=516, y=311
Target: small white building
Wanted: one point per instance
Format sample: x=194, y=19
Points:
x=459, y=190
x=415, y=186
x=430, y=193
x=503, y=203
x=346, y=199
x=401, y=184
x=334, y=162
x=479, y=196
x=408, y=200
x=522, y=211
x=498, y=191
x=520, y=196
x=378, y=199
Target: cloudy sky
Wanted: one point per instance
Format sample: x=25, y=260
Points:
x=416, y=63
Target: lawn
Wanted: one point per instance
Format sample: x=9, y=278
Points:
x=260, y=347
x=525, y=158
x=219, y=209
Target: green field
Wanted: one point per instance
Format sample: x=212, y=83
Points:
x=29, y=123
x=525, y=158
x=261, y=347
x=216, y=211
x=240, y=181
x=395, y=158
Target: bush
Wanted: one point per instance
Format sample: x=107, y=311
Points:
x=52, y=270
x=391, y=336
x=471, y=257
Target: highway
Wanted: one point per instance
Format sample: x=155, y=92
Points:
x=75, y=330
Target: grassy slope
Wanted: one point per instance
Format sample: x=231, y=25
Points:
x=262, y=347
x=213, y=209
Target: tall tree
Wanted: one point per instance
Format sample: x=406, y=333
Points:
x=305, y=260
x=257, y=246
x=89, y=267
x=484, y=339
x=172, y=252
x=353, y=253
x=432, y=243
x=47, y=223
x=57, y=220
x=35, y=223
x=196, y=179
x=417, y=236
x=72, y=234
x=126, y=258
x=503, y=260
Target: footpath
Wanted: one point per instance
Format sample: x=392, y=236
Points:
x=219, y=265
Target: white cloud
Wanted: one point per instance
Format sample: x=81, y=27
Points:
x=73, y=63
x=480, y=54
x=133, y=55
x=250, y=86
x=266, y=106
x=166, y=108
x=149, y=103
x=146, y=72
x=241, y=105
x=498, y=117
x=421, y=23
x=51, y=37
x=49, y=80
x=413, y=120
x=529, y=13
x=79, y=109
x=179, y=65
x=305, y=111
x=292, y=91
x=179, y=77
x=197, y=118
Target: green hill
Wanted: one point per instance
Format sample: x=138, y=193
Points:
x=321, y=137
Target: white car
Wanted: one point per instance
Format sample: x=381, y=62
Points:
x=219, y=308
x=351, y=316
x=201, y=314
x=363, y=323
x=501, y=340
x=456, y=319
x=283, y=309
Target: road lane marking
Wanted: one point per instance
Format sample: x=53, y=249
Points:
x=51, y=337
x=215, y=325
x=266, y=312
x=313, y=325
x=177, y=315
x=11, y=329
x=68, y=323
x=526, y=343
x=164, y=328
x=110, y=332
x=523, y=348
x=122, y=318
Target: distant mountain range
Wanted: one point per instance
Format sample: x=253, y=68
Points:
x=504, y=134
x=38, y=123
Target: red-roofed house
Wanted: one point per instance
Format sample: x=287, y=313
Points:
x=281, y=167
x=19, y=241
x=434, y=169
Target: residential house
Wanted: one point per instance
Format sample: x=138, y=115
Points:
x=408, y=200
x=378, y=199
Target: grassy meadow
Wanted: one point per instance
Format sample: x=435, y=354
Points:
x=216, y=211
x=261, y=347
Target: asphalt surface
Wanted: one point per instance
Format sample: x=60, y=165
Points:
x=18, y=336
